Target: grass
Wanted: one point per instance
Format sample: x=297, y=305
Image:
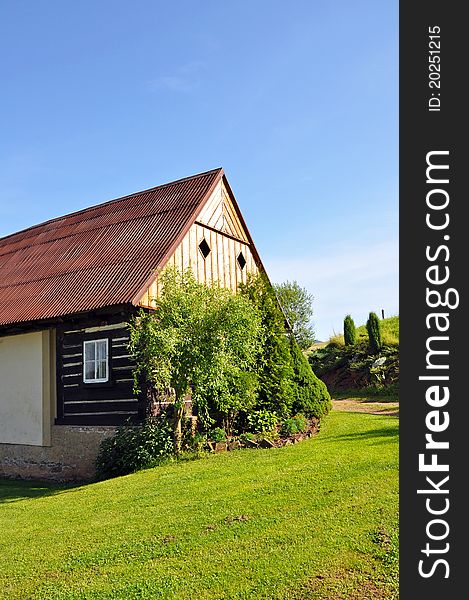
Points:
x=389, y=333
x=312, y=520
x=389, y=330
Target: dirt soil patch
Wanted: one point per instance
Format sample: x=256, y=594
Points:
x=366, y=405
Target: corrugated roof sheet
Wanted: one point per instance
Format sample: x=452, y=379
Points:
x=97, y=257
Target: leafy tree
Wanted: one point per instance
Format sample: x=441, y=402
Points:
x=374, y=333
x=200, y=339
x=350, y=333
x=296, y=303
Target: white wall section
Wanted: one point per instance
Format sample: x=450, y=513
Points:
x=26, y=389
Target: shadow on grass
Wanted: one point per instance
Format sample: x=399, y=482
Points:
x=383, y=432
x=12, y=490
x=365, y=398
x=368, y=394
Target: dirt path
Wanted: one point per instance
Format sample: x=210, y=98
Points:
x=366, y=405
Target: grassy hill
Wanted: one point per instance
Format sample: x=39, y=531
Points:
x=311, y=520
x=389, y=330
x=352, y=369
x=389, y=333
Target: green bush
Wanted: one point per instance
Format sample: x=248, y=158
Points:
x=197, y=442
x=311, y=396
x=247, y=436
x=374, y=333
x=217, y=435
x=274, y=364
x=261, y=421
x=350, y=333
x=297, y=424
x=135, y=447
x=301, y=422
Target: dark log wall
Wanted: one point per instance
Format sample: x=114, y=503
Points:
x=109, y=403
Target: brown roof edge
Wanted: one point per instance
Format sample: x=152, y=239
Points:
x=190, y=221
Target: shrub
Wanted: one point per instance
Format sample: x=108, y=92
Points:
x=311, y=396
x=274, y=363
x=297, y=424
x=198, y=442
x=350, y=333
x=301, y=422
x=288, y=427
x=374, y=333
x=217, y=435
x=135, y=447
x=336, y=341
x=261, y=421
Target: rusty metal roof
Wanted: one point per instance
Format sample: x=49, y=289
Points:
x=101, y=256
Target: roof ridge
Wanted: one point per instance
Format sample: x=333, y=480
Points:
x=93, y=206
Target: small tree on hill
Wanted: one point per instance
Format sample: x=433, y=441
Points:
x=350, y=333
x=297, y=304
x=374, y=333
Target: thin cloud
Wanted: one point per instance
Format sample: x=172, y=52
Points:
x=185, y=79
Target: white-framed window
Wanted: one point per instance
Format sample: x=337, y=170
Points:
x=95, y=361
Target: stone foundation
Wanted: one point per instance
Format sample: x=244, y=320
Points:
x=70, y=457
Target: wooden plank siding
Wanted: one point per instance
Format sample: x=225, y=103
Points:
x=219, y=225
x=112, y=402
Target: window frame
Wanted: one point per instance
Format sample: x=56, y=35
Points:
x=101, y=379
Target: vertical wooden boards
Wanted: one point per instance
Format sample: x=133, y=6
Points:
x=220, y=226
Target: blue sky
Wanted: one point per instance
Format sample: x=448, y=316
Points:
x=298, y=102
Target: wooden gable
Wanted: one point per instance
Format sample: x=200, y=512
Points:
x=219, y=213
x=231, y=254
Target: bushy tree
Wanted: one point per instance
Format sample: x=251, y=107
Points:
x=287, y=384
x=311, y=397
x=297, y=305
x=274, y=363
x=374, y=333
x=199, y=339
x=350, y=333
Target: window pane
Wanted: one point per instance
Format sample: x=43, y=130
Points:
x=89, y=370
x=101, y=370
x=90, y=352
x=101, y=350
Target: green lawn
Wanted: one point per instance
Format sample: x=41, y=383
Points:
x=313, y=520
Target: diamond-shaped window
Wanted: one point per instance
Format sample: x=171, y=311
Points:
x=241, y=261
x=204, y=248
